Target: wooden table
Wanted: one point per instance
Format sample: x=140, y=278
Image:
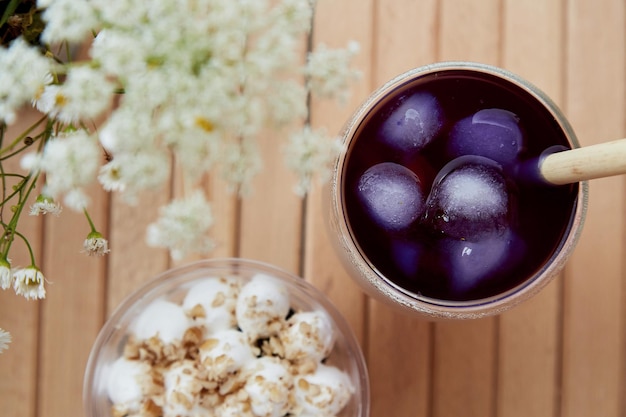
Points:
x=561, y=354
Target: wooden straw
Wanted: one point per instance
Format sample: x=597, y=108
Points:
x=586, y=163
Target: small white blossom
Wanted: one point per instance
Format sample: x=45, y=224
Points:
x=31, y=161
x=70, y=162
x=329, y=72
x=68, y=20
x=84, y=95
x=25, y=72
x=5, y=339
x=95, y=245
x=29, y=282
x=45, y=205
x=131, y=172
x=308, y=152
x=240, y=163
x=6, y=277
x=183, y=226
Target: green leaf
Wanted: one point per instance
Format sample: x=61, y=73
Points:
x=8, y=12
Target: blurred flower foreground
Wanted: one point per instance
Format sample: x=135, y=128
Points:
x=160, y=85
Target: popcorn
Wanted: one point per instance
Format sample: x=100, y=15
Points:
x=163, y=319
x=227, y=349
x=182, y=388
x=309, y=336
x=127, y=384
x=268, y=387
x=224, y=354
x=262, y=306
x=323, y=393
x=211, y=303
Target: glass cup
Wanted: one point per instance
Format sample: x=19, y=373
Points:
x=415, y=269
x=174, y=286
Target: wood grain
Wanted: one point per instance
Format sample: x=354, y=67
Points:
x=593, y=321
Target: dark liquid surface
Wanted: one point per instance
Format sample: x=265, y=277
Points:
x=542, y=214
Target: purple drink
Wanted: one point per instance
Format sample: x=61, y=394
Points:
x=476, y=223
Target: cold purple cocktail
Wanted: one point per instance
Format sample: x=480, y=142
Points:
x=437, y=201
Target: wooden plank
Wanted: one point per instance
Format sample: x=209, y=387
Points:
x=529, y=345
x=402, y=380
x=322, y=266
x=271, y=215
x=465, y=351
x=594, y=321
x=131, y=262
x=73, y=311
x=19, y=316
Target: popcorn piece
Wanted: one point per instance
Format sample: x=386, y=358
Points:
x=163, y=319
x=127, y=383
x=211, y=302
x=323, y=393
x=182, y=390
x=235, y=405
x=268, y=387
x=224, y=355
x=262, y=307
x=308, y=336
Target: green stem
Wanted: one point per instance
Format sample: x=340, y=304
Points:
x=11, y=228
x=93, y=227
x=21, y=137
x=33, y=261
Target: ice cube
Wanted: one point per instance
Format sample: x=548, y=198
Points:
x=407, y=256
x=472, y=264
x=492, y=133
x=469, y=199
x=413, y=124
x=391, y=195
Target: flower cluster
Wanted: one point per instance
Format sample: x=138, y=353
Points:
x=189, y=84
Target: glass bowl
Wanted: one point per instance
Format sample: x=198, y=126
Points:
x=127, y=323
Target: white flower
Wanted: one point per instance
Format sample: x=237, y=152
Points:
x=70, y=161
x=310, y=151
x=29, y=282
x=68, y=20
x=118, y=53
x=76, y=199
x=5, y=339
x=183, y=226
x=31, y=161
x=85, y=94
x=131, y=172
x=240, y=163
x=202, y=80
x=95, y=245
x=25, y=72
x=329, y=72
x=45, y=205
x=288, y=103
x=6, y=277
